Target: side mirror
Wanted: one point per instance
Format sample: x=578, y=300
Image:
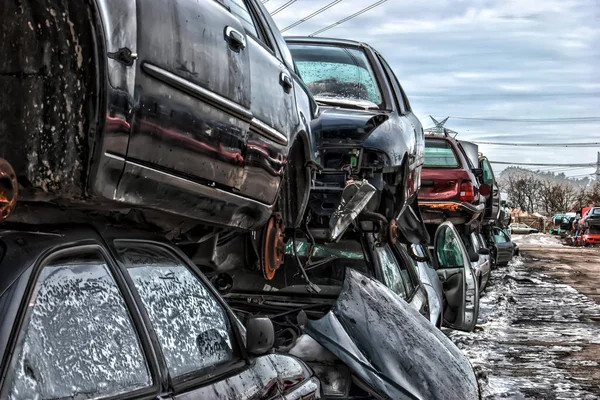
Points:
x=485, y=190
x=474, y=257
x=484, y=251
x=355, y=197
x=260, y=335
x=478, y=172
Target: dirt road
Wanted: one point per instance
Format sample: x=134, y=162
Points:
x=538, y=334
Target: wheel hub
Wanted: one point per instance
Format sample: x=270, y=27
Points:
x=273, y=247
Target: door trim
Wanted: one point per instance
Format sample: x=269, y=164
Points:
x=197, y=91
x=265, y=130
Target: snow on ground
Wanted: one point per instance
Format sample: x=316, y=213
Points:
x=537, y=239
x=536, y=338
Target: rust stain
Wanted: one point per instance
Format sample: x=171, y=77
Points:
x=442, y=206
x=8, y=189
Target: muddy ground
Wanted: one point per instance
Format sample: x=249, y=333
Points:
x=538, y=333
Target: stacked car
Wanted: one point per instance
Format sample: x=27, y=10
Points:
x=192, y=206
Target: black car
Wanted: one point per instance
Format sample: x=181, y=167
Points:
x=188, y=112
x=97, y=313
x=365, y=130
x=364, y=323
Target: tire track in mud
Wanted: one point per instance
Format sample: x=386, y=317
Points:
x=536, y=338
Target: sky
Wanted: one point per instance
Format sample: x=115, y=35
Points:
x=516, y=59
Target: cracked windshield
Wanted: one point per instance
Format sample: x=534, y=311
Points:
x=300, y=199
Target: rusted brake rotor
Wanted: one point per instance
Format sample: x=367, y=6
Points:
x=272, y=246
x=8, y=189
x=392, y=232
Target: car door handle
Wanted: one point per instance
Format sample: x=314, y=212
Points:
x=286, y=81
x=236, y=40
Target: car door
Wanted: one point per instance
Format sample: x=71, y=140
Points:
x=273, y=105
x=504, y=246
x=411, y=129
x=192, y=113
x=198, y=337
x=78, y=338
x=461, y=291
x=493, y=201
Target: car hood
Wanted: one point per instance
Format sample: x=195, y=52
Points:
x=390, y=346
x=339, y=126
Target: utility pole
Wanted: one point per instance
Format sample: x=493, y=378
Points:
x=598, y=168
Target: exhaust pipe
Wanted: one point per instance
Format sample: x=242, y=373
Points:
x=8, y=189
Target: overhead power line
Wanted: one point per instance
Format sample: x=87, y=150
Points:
x=283, y=7
x=588, y=144
x=319, y=11
x=544, y=165
x=532, y=120
x=348, y=18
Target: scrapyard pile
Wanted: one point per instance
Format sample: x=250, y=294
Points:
x=204, y=217
x=583, y=229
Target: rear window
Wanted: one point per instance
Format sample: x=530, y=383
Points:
x=439, y=154
x=595, y=211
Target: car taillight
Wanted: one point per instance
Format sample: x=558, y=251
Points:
x=467, y=192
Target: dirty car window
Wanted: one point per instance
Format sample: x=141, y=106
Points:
x=439, y=154
x=192, y=327
x=78, y=339
x=332, y=72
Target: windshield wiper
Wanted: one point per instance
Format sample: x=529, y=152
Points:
x=320, y=263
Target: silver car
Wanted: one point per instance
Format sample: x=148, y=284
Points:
x=522, y=229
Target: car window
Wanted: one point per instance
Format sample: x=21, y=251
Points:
x=595, y=211
x=499, y=236
x=392, y=276
x=77, y=339
x=240, y=10
x=439, y=154
x=448, y=251
x=337, y=73
x=488, y=176
x=191, y=325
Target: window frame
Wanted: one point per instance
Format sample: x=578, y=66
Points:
x=195, y=378
x=18, y=325
x=263, y=38
x=400, y=97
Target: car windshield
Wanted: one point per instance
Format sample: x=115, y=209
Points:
x=337, y=74
x=326, y=269
x=439, y=154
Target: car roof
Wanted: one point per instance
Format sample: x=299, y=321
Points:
x=22, y=245
x=320, y=40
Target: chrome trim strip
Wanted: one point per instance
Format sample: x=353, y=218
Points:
x=266, y=130
x=114, y=156
x=197, y=91
x=194, y=187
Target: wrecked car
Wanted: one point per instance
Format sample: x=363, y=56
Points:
x=91, y=312
x=358, y=313
x=479, y=255
x=365, y=130
x=492, y=212
x=187, y=116
x=450, y=190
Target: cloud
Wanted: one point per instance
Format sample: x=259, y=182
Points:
x=497, y=59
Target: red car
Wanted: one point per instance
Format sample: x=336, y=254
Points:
x=449, y=187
